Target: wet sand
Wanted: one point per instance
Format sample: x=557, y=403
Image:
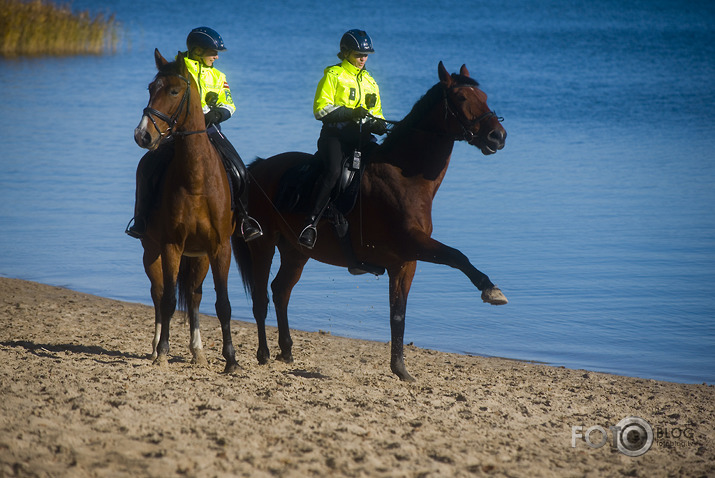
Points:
x=80, y=397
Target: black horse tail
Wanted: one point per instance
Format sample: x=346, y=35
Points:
x=243, y=261
x=187, y=270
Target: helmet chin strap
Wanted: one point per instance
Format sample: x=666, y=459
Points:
x=195, y=52
x=194, y=55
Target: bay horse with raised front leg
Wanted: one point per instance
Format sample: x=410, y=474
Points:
x=190, y=229
x=400, y=181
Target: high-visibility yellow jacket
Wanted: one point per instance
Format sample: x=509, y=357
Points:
x=345, y=85
x=211, y=79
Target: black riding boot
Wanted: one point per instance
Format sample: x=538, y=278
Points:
x=150, y=172
x=250, y=229
x=309, y=234
x=141, y=210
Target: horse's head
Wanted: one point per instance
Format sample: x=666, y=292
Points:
x=471, y=118
x=169, y=103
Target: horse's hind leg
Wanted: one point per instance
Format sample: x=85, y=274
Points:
x=292, y=264
x=261, y=265
x=400, y=283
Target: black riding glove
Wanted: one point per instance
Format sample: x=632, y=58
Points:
x=211, y=98
x=359, y=113
x=376, y=126
x=342, y=114
x=214, y=116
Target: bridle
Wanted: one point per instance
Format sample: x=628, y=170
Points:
x=174, y=118
x=466, y=123
x=451, y=109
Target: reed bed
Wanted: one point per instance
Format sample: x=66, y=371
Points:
x=40, y=27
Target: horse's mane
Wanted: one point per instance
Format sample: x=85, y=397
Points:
x=420, y=109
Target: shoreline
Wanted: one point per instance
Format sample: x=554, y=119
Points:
x=80, y=397
x=249, y=321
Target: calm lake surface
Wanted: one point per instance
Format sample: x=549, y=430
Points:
x=597, y=220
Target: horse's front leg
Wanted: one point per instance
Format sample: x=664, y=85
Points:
x=289, y=273
x=400, y=283
x=152, y=267
x=170, y=259
x=429, y=250
x=199, y=269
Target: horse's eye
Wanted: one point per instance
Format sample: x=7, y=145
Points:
x=174, y=92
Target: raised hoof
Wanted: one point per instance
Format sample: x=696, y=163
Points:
x=494, y=296
x=231, y=368
x=281, y=357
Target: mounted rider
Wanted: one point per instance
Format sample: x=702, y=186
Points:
x=203, y=45
x=347, y=101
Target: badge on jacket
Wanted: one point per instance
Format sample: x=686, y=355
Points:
x=353, y=93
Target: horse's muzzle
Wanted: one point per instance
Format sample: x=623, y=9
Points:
x=494, y=141
x=491, y=142
x=143, y=138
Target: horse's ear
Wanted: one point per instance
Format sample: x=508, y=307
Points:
x=160, y=60
x=444, y=75
x=463, y=71
x=180, y=56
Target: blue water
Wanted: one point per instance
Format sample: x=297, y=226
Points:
x=597, y=220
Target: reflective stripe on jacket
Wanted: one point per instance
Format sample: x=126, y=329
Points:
x=211, y=79
x=345, y=85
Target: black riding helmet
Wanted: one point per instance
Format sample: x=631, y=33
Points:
x=206, y=38
x=356, y=40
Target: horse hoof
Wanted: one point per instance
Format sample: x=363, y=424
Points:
x=231, y=368
x=402, y=374
x=200, y=359
x=161, y=361
x=494, y=296
x=263, y=357
x=284, y=358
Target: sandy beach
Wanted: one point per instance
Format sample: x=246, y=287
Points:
x=79, y=397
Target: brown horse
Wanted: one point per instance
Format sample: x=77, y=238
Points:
x=391, y=224
x=192, y=225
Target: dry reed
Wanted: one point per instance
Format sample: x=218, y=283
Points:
x=40, y=27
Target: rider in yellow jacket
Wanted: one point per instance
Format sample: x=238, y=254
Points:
x=347, y=101
x=212, y=84
x=203, y=45
x=349, y=86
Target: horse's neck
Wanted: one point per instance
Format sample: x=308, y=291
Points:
x=424, y=154
x=193, y=157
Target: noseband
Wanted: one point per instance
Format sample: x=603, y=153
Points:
x=466, y=123
x=171, y=121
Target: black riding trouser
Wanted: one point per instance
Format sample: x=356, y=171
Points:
x=333, y=146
